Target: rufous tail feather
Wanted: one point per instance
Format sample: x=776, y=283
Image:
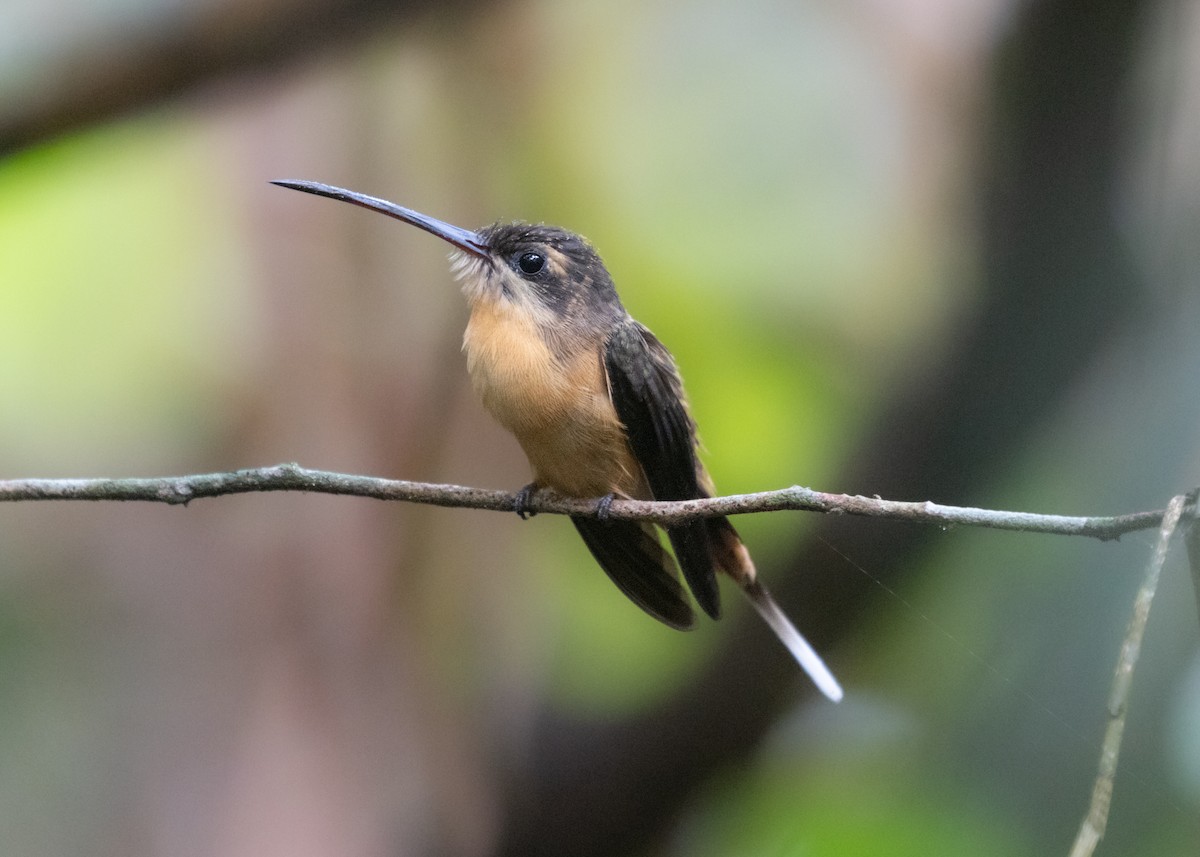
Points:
x=804, y=653
x=733, y=558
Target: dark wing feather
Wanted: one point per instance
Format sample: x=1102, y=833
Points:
x=648, y=396
x=630, y=553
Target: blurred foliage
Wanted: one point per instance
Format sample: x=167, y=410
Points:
x=850, y=805
x=125, y=302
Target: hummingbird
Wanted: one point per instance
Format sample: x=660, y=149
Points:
x=597, y=404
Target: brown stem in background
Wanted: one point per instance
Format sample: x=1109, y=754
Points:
x=119, y=73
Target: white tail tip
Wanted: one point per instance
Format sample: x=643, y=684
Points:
x=804, y=654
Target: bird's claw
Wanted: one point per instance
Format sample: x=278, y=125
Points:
x=525, y=500
x=604, y=507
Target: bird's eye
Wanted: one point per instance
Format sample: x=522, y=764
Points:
x=531, y=263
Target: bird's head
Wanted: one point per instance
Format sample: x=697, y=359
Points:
x=548, y=271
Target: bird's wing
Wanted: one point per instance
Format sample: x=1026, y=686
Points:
x=631, y=555
x=648, y=396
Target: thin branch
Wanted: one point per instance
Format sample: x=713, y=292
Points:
x=1092, y=828
x=181, y=490
x=1193, y=550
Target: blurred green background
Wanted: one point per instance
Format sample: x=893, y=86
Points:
x=937, y=249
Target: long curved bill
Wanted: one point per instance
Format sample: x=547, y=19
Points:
x=463, y=239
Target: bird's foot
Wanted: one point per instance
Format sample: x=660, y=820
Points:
x=525, y=500
x=604, y=506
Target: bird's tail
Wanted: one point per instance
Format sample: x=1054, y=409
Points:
x=733, y=558
x=804, y=653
